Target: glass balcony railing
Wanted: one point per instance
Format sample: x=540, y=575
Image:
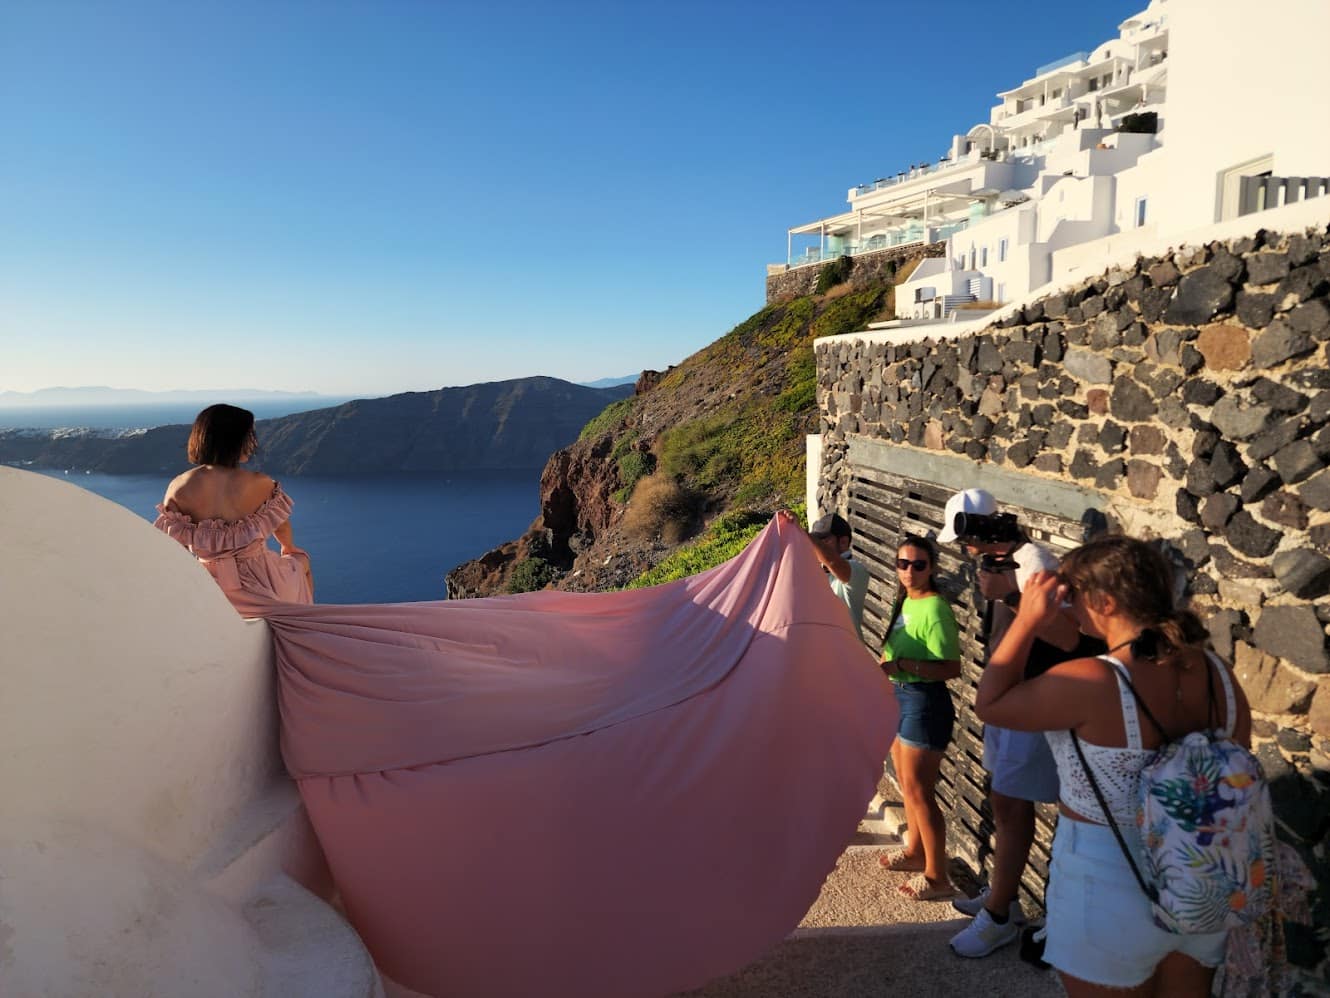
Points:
x=905, y=236
x=1066, y=60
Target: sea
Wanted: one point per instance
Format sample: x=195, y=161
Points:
x=371, y=539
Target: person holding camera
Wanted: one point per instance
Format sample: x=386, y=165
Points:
x=1019, y=763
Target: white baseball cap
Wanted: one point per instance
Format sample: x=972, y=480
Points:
x=971, y=501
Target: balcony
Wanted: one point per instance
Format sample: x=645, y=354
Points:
x=907, y=235
x=1067, y=60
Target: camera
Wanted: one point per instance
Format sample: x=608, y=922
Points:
x=995, y=528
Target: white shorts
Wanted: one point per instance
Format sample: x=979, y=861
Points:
x=1021, y=764
x=1100, y=928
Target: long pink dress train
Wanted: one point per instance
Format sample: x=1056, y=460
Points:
x=581, y=795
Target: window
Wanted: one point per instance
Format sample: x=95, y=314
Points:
x=971, y=267
x=1094, y=83
x=1140, y=212
x=1002, y=250
x=1001, y=292
x=983, y=257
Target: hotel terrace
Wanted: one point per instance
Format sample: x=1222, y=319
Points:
x=1071, y=156
x=1064, y=136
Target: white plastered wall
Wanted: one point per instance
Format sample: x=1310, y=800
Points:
x=150, y=841
x=1244, y=80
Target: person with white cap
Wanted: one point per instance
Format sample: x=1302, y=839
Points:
x=831, y=536
x=1021, y=767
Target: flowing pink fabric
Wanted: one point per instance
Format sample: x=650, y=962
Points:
x=559, y=794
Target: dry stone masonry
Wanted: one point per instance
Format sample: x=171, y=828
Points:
x=1194, y=387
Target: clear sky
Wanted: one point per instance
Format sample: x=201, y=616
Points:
x=370, y=197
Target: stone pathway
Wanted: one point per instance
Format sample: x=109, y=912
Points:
x=862, y=939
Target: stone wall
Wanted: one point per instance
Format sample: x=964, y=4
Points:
x=1192, y=391
x=868, y=268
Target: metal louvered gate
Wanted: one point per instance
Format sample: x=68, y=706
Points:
x=883, y=507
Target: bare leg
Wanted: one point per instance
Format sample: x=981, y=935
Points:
x=914, y=846
x=1014, y=834
x=1076, y=988
x=929, y=827
x=1179, y=976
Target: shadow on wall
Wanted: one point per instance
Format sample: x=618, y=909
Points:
x=152, y=843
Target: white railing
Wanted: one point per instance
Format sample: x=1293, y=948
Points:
x=1261, y=193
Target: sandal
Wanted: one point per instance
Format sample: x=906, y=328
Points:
x=920, y=888
x=901, y=861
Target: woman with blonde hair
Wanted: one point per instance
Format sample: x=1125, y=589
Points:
x=1101, y=935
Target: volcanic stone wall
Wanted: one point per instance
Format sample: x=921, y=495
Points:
x=866, y=268
x=1194, y=387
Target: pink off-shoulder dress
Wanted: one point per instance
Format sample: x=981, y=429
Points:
x=237, y=555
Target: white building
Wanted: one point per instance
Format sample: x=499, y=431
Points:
x=1102, y=145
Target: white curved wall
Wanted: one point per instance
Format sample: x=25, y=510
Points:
x=145, y=810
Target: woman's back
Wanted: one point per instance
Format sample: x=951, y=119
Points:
x=1183, y=695
x=212, y=493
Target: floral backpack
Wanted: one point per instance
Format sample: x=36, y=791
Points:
x=1206, y=825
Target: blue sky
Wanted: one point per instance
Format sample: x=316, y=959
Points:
x=369, y=197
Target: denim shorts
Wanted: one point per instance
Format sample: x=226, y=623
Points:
x=1099, y=924
x=927, y=715
x=1020, y=763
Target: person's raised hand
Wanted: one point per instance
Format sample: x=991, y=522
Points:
x=1042, y=599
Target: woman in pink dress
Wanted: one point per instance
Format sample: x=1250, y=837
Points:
x=224, y=514
x=634, y=792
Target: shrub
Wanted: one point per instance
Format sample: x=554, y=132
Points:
x=833, y=273
x=531, y=574
x=660, y=507
x=609, y=417
x=724, y=539
x=1147, y=122
x=702, y=449
x=633, y=465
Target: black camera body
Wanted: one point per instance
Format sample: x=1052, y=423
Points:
x=995, y=528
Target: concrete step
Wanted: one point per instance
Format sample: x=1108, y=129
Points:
x=308, y=949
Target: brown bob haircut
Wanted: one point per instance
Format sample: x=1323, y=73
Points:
x=222, y=435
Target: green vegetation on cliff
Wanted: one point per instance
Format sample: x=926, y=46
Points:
x=717, y=445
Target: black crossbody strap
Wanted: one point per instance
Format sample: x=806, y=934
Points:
x=1150, y=890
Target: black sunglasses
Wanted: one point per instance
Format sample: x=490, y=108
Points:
x=918, y=564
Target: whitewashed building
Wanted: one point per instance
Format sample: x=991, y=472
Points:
x=1198, y=110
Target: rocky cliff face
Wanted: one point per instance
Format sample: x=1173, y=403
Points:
x=722, y=431
x=503, y=424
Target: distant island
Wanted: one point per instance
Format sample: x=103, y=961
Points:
x=101, y=395
x=496, y=425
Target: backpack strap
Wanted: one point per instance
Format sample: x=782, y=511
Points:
x=1230, y=706
x=1131, y=722
x=1140, y=700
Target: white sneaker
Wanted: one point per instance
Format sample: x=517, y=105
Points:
x=983, y=935
x=972, y=906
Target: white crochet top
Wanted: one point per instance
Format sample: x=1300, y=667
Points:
x=1117, y=769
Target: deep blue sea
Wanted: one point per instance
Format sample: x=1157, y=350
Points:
x=377, y=540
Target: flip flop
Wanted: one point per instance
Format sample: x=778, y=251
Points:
x=900, y=861
x=920, y=888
